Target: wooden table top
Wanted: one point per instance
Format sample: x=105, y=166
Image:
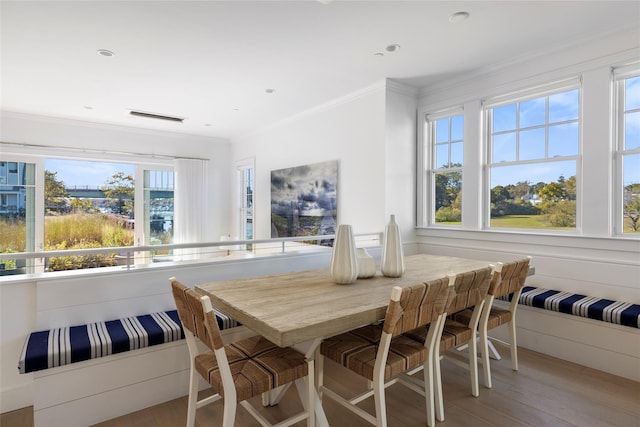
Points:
x=295, y=307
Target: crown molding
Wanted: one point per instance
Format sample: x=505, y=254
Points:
x=484, y=72
x=403, y=88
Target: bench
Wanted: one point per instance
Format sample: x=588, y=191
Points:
x=62, y=346
x=606, y=310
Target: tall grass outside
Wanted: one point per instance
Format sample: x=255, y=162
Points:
x=73, y=231
x=84, y=231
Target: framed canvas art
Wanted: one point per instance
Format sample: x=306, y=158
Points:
x=303, y=200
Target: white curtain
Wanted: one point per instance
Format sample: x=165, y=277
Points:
x=190, y=203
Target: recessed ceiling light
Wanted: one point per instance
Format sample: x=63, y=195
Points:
x=207, y=124
x=105, y=52
x=459, y=17
x=88, y=107
x=236, y=109
x=269, y=90
x=378, y=54
x=393, y=48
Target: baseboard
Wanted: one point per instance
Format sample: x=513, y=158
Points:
x=599, y=345
x=16, y=398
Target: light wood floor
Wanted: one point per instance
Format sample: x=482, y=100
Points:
x=545, y=392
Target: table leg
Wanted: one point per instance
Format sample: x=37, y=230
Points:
x=311, y=350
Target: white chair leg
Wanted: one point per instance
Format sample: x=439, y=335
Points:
x=437, y=388
x=381, y=409
x=484, y=352
x=513, y=345
x=193, y=396
x=429, y=391
x=473, y=367
x=229, y=413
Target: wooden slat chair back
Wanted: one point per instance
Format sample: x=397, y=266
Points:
x=240, y=370
x=381, y=353
x=511, y=280
x=470, y=290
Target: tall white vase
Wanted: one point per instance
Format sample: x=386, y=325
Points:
x=344, y=263
x=392, y=264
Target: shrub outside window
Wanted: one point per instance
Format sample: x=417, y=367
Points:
x=534, y=143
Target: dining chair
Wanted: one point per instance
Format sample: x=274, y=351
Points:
x=380, y=353
x=470, y=290
x=240, y=370
x=510, y=279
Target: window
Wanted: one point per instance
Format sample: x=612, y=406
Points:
x=62, y=204
x=17, y=212
x=158, y=202
x=445, y=134
x=534, y=143
x=245, y=192
x=87, y=205
x=627, y=83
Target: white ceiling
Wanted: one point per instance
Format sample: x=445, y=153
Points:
x=211, y=61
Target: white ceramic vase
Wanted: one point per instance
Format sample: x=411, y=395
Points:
x=392, y=264
x=344, y=263
x=366, y=264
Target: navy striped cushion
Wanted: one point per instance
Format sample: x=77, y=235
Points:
x=61, y=346
x=621, y=313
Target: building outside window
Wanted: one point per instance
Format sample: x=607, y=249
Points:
x=627, y=108
x=17, y=213
x=533, y=149
x=445, y=135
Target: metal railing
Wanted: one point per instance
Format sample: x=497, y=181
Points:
x=129, y=257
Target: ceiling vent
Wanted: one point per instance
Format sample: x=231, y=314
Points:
x=156, y=116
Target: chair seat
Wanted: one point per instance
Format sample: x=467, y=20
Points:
x=460, y=331
x=357, y=351
x=497, y=317
x=257, y=365
x=447, y=341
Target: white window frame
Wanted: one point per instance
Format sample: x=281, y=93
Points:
x=430, y=169
x=241, y=167
x=619, y=75
x=26, y=155
x=36, y=242
x=488, y=105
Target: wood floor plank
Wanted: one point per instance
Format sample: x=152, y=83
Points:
x=545, y=392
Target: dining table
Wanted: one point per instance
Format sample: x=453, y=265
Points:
x=300, y=308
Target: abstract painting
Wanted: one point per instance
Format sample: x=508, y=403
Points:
x=303, y=200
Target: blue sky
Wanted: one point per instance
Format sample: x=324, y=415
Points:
x=84, y=173
x=520, y=135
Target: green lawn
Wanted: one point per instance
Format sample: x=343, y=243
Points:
x=524, y=221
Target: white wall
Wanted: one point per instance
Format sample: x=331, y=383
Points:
x=400, y=156
x=350, y=130
x=117, y=143
x=590, y=261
